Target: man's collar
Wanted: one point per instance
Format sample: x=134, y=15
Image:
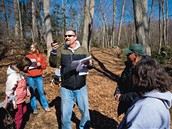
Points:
x=73, y=49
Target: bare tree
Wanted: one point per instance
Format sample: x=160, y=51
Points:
x=20, y=21
x=91, y=23
x=39, y=6
x=47, y=23
x=163, y=23
x=34, y=26
x=64, y=15
x=5, y=18
x=16, y=19
x=149, y=20
x=120, y=25
x=105, y=35
x=113, y=23
x=86, y=25
x=167, y=22
x=88, y=21
x=141, y=23
x=160, y=27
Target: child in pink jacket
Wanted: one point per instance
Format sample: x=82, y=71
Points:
x=16, y=85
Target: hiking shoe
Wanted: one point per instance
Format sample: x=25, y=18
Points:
x=35, y=112
x=47, y=109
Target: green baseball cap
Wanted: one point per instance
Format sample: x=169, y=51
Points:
x=135, y=48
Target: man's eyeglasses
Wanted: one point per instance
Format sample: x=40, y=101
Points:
x=69, y=35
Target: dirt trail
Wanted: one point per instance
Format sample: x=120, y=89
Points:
x=101, y=85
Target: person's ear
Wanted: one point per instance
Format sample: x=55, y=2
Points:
x=75, y=37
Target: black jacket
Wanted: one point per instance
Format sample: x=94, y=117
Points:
x=70, y=77
x=124, y=87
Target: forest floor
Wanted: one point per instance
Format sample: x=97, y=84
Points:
x=101, y=83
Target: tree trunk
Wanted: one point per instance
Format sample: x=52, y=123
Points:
x=40, y=23
x=64, y=15
x=113, y=23
x=163, y=24
x=105, y=32
x=140, y=35
x=16, y=13
x=149, y=21
x=20, y=21
x=140, y=17
x=160, y=27
x=34, y=26
x=167, y=22
x=145, y=20
x=86, y=25
x=5, y=19
x=88, y=21
x=91, y=23
x=120, y=25
x=126, y=34
x=48, y=29
x=103, y=37
x=146, y=26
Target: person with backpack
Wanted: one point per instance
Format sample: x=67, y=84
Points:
x=16, y=86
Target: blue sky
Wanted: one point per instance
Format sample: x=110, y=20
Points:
x=119, y=2
x=108, y=7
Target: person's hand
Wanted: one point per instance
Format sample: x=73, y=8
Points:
x=87, y=63
x=117, y=96
x=28, y=93
x=14, y=105
x=54, y=45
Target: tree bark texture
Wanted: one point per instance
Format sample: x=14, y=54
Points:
x=88, y=21
x=34, y=26
x=113, y=23
x=141, y=23
x=120, y=25
x=16, y=19
x=48, y=29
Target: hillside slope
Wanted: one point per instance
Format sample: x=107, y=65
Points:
x=101, y=82
x=101, y=85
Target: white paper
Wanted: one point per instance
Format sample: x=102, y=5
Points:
x=34, y=64
x=83, y=71
x=79, y=65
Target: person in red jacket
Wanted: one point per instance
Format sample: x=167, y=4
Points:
x=34, y=78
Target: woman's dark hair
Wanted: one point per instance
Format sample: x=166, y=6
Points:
x=149, y=75
x=23, y=62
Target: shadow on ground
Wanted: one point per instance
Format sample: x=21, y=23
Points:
x=105, y=71
x=98, y=120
